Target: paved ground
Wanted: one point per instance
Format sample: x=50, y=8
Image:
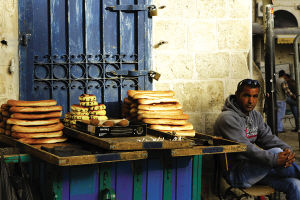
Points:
x=290, y=137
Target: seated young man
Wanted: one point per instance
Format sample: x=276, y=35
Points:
x=267, y=160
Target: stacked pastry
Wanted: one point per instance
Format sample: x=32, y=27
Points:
x=4, y=127
x=36, y=122
x=88, y=108
x=160, y=109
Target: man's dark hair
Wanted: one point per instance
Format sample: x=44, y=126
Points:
x=247, y=82
x=281, y=73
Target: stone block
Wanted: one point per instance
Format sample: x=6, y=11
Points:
x=202, y=35
x=239, y=9
x=210, y=119
x=158, y=86
x=198, y=121
x=174, y=66
x=172, y=32
x=211, y=9
x=190, y=95
x=212, y=65
x=234, y=35
x=239, y=65
x=180, y=9
x=212, y=96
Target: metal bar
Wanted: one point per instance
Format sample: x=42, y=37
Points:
x=68, y=52
x=270, y=69
x=50, y=22
x=84, y=29
x=127, y=8
x=297, y=78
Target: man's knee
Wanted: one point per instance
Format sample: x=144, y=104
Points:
x=294, y=186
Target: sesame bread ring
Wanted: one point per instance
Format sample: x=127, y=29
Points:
x=73, y=121
x=76, y=107
x=188, y=126
x=88, y=103
x=183, y=133
x=38, y=109
x=98, y=107
x=23, y=122
x=50, y=102
x=2, y=130
x=2, y=124
x=7, y=132
x=158, y=100
x=36, y=116
x=131, y=93
x=99, y=117
x=128, y=101
x=87, y=97
x=162, y=116
x=5, y=106
x=37, y=135
x=161, y=112
x=80, y=117
x=43, y=140
x=160, y=107
x=166, y=121
x=151, y=96
x=98, y=112
x=78, y=113
x=5, y=113
x=37, y=129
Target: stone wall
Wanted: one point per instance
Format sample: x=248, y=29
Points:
x=9, y=72
x=204, y=53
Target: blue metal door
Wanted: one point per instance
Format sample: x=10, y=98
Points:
x=71, y=47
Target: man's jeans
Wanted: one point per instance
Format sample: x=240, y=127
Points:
x=281, y=105
x=293, y=104
x=281, y=179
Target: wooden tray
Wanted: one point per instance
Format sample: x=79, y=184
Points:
x=131, y=143
x=36, y=151
x=207, y=144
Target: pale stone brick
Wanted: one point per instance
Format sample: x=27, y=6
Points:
x=162, y=86
x=198, y=121
x=233, y=35
x=202, y=36
x=212, y=97
x=3, y=83
x=211, y=9
x=210, y=119
x=212, y=65
x=189, y=94
x=239, y=8
x=171, y=31
x=174, y=66
x=239, y=65
x=180, y=9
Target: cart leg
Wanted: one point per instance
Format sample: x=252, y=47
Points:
x=197, y=172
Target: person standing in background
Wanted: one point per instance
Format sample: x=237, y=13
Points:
x=282, y=91
x=291, y=101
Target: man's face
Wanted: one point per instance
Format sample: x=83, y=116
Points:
x=248, y=98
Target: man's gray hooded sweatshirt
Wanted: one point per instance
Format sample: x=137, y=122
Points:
x=251, y=130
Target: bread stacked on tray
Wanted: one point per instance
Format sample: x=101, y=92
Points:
x=35, y=122
x=160, y=109
x=4, y=127
x=87, y=109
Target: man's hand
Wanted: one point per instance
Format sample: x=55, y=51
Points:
x=286, y=158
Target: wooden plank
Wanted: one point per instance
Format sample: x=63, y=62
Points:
x=84, y=182
x=138, y=179
x=15, y=158
x=36, y=151
x=168, y=179
x=124, y=181
x=211, y=145
x=184, y=178
x=155, y=179
x=128, y=143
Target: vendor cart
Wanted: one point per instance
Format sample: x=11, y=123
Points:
x=154, y=172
